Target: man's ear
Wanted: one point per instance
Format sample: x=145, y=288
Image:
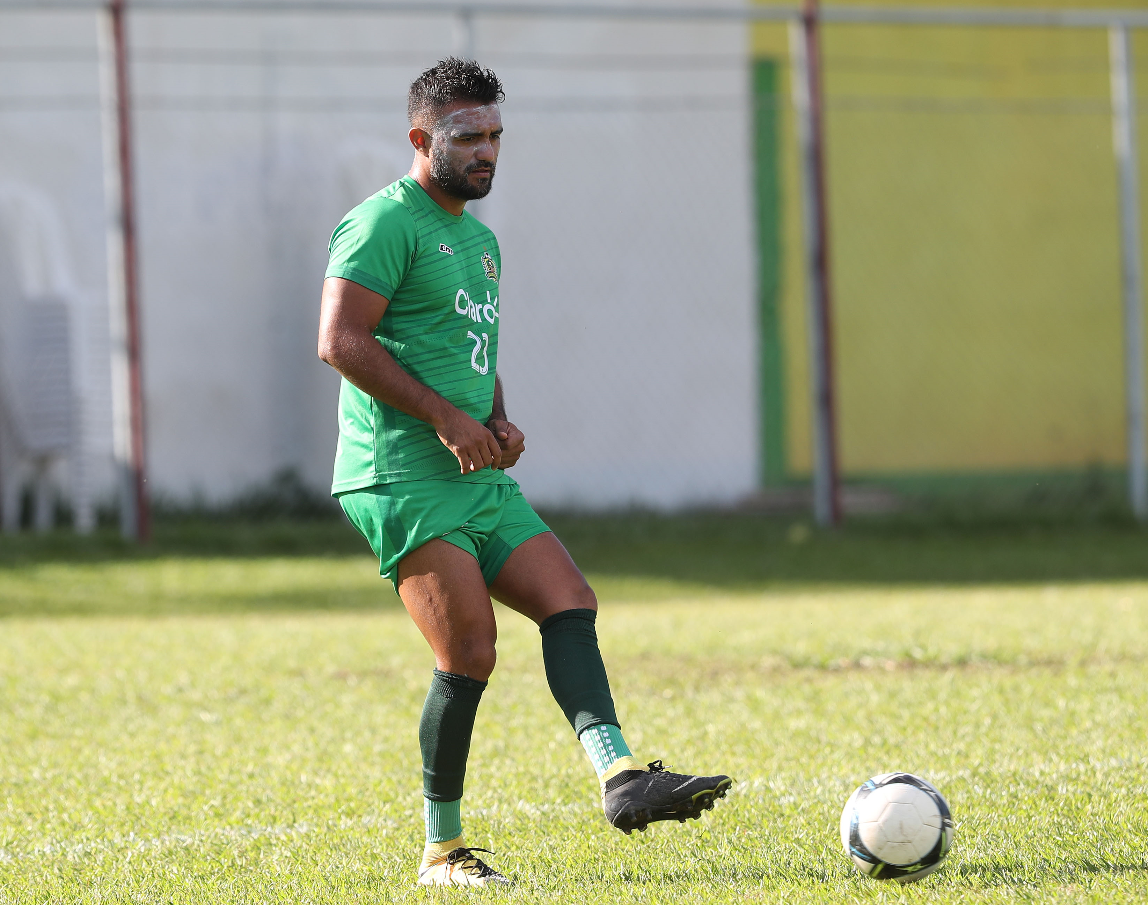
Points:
x=420, y=140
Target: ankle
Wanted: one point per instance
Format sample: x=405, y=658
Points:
x=604, y=746
x=628, y=762
x=442, y=819
x=436, y=851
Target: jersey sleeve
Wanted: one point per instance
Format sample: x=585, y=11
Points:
x=374, y=246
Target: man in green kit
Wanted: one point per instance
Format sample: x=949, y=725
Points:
x=410, y=317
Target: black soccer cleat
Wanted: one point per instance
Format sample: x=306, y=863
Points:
x=634, y=799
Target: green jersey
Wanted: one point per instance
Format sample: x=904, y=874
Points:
x=440, y=273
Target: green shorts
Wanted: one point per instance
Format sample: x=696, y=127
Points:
x=486, y=520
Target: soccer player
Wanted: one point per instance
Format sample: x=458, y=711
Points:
x=410, y=317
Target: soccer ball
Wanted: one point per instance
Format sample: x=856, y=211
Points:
x=897, y=827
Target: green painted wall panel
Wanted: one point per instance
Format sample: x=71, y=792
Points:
x=768, y=191
x=974, y=233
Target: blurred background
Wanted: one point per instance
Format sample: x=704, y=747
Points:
x=649, y=210
x=228, y=713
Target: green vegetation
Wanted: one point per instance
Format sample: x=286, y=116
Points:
x=230, y=716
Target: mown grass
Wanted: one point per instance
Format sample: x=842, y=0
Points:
x=185, y=726
x=211, y=565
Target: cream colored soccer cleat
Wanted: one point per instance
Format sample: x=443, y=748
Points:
x=457, y=866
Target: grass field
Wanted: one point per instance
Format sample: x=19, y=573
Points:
x=231, y=715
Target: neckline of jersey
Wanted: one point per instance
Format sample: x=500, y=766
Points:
x=429, y=202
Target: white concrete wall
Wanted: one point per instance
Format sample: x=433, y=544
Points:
x=622, y=204
x=52, y=222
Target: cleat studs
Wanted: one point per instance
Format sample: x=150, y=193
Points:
x=681, y=820
x=627, y=831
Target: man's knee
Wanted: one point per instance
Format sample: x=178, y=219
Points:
x=578, y=596
x=584, y=598
x=474, y=659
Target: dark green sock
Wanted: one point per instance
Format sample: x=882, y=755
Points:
x=575, y=671
x=444, y=733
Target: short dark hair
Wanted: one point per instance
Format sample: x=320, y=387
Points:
x=448, y=81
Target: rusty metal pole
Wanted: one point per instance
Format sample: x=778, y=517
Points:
x=807, y=94
x=123, y=281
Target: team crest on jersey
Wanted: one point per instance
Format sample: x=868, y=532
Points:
x=488, y=266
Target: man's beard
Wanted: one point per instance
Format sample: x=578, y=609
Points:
x=457, y=184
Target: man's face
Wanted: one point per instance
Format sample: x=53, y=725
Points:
x=464, y=149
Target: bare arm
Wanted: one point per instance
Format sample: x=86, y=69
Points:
x=498, y=410
x=510, y=439
x=349, y=315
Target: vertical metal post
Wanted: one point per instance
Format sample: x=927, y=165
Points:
x=807, y=100
x=1131, y=270
x=123, y=291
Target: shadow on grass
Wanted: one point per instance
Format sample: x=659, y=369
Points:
x=724, y=550
x=744, y=550
x=194, y=567
x=989, y=874
x=381, y=600
x=185, y=538
x=997, y=873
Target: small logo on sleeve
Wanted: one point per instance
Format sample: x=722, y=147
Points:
x=488, y=266
x=447, y=249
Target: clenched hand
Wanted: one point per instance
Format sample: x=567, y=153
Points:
x=472, y=444
x=511, y=441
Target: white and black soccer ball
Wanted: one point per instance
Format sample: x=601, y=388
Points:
x=897, y=827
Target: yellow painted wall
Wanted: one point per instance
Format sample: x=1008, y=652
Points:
x=975, y=248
